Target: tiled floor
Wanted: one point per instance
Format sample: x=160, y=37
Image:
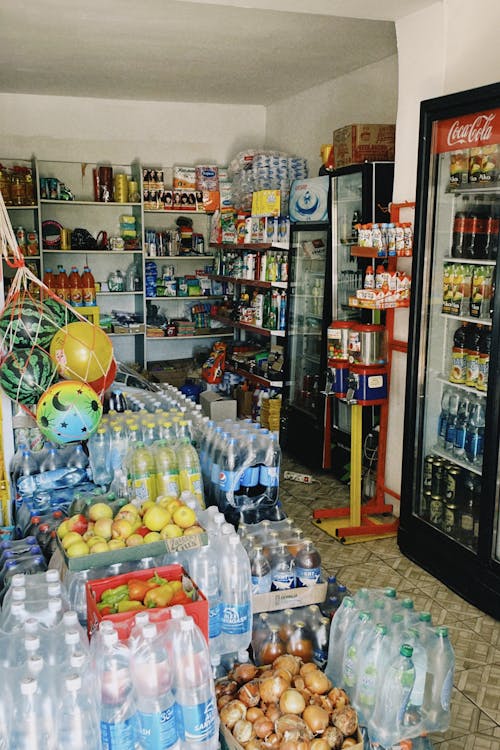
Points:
x=475, y=723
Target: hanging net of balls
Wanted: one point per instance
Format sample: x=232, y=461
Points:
x=51, y=357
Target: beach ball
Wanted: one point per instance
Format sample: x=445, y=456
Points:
x=82, y=351
x=26, y=373
x=68, y=411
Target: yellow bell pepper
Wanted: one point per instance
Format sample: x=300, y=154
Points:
x=159, y=597
x=127, y=605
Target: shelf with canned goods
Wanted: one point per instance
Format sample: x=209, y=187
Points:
x=253, y=377
x=217, y=333
x=250, y=246
x=250, y=328
x=462, y=463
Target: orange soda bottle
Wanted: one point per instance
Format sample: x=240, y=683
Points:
x=88, y=288
x=75, y=287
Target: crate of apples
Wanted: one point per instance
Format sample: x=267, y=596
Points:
x=153, y=523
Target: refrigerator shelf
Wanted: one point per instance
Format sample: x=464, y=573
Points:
x=437, y=451
x=473, y=189
x=469, y=261
x=461, y=386
x=371, y=252
x=468, y=319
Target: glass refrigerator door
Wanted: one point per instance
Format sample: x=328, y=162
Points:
x=307, y=279
x=347, y=196
x=459, y=269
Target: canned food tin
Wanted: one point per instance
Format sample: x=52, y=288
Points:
x=425, y=504
x=453, y=475
x=438, y=485
x=436, y=510
x=450, y=522
x=427, y=476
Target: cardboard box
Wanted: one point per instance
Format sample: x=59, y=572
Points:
x=217, y=407
x=227, y=741
x=289, y=598
x=174, y=372
x=124, y=621
x=354, y=144
x=130, y=554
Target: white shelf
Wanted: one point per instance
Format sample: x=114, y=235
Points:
x=117, y=294
x=185, y=299
x=108, y=204
x=103, y=252
x=469, y=261
x=118, y=335
x=464, y=464
x=468, y=319
x=163, y=258
x=185, y=338
x=467, y=388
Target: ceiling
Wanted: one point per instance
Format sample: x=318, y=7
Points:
x=230, y=51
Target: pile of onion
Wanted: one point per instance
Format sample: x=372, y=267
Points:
x=290, y=705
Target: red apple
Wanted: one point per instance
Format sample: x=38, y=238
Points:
x=142, y=530
x=78, y=523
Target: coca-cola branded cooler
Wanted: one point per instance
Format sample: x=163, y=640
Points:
x=450, y=494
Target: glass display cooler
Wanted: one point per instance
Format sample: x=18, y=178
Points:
x=450, y=495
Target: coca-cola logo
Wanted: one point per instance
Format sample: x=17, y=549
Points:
x=479, y=129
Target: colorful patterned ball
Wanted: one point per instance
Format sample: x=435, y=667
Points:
x=82, y=351
x=68, y=411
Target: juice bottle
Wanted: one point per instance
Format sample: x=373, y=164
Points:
x=62, y=285
x=88, y=288
x=75, y=287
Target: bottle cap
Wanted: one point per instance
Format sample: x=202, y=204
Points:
x=32, y=643
x=406, y=650
x=19, y=594
x=109, y=637
x=73, y=682
x=17, y=581
x=149, y=631
x=31, y=625
x=425, y=617
x=442, y=632
x=71, y=637
x=70, y=618
x=28, y=686
x=77, y=660
x=35, y=664
x=187, y=623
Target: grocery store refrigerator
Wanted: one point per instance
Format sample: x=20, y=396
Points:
x=360, y=194
x=450, y=489
x=308, y=318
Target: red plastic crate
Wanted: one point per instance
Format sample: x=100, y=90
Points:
x=124, y=621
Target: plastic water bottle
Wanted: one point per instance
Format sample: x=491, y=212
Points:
x=51, y=461
x=461, y=426
x=354, y=648
x=283, y=573
x=194, y=692
x=307, y=565
x=152, y=679
x=474, y=440
x=270, y=470
x=443, y=418
x=141, y=475
x=387, y=723
x=98, y=446
x=341, y=623
x=203, y=568
x=78, y=720
x=417, y=639
x=166, y=470
x=229, y=474
x=236, y=596
x=78, y=458
x=214, y=449
x=451, y=424
x=439, y=682
x=190, y=470
x=261, y=572
x=141, y=619
x=250, y=471
x=118, y=711
x=118, y=446
x=370, y=673
x=28, y=466
x=321, y=635
x=29, y=730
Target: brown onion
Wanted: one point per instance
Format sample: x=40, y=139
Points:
x=298, y=682
x=221, y=702
x=317, y=682
x=292, y=702
x=225, y=686
x=316, y=718
x=295, y=745
x=338, y=697
x=349, y=742
x=233, y=712
x=263, y=727
x=254, y=713
x=290, y=663
x=334, y=737
x=320, y=744
x=291, y=726
x=308, y=667
x=243, y=673
x=345, y=719
x=271, y=688
x=272, y=742
x=254, y=744
x=249, y=693
x=243, y=731
x=273, y=712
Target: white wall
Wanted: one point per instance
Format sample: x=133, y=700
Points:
x=302, y=122
x=450, y=46
x=65, y=128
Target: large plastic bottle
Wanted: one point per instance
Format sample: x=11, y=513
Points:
x=360, y=631
x=270, y=470
x=236, y=596
x=75, y=287
x=88, y=288
x=166, y=470
x=78, y=718
x=307, y=565
x=152, y=680
x=203, y=568
x=439, y=682
x=341, y=623
x=190, y=471
x=98, y=446
x=261, y=571
x=387, y=722
x=29, y=729
x=194, y=691
x=118, y=710
x=229, y=474
x=370, y=669
x=282, y=569
x=141, y=475
x=62, y=285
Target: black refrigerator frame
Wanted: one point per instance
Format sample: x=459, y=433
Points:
x=474, y=576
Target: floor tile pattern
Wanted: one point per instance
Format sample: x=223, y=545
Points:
x=475, y=719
